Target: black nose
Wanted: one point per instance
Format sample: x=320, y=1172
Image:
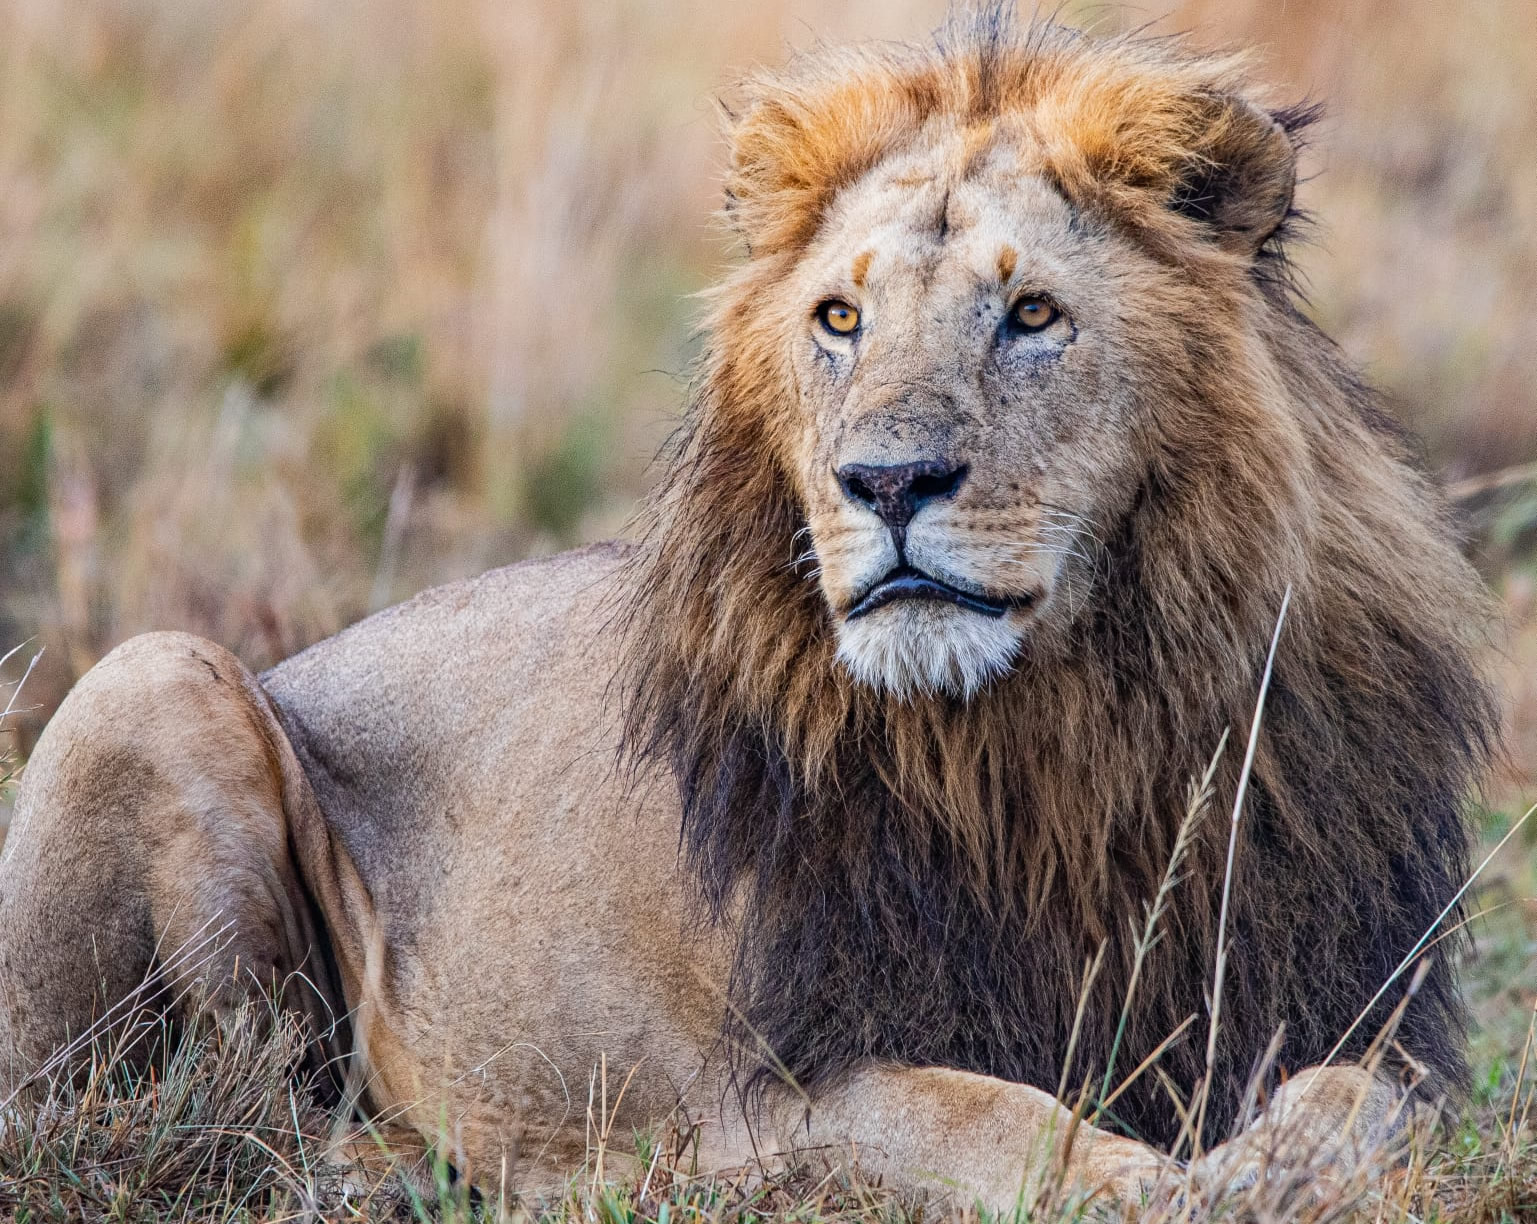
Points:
x=897, y=491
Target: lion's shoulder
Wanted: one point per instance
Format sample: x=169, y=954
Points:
x=481, y=689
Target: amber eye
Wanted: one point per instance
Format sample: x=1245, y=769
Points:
x=838, y=317
x=1033, y=314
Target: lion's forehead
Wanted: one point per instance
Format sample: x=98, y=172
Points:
x=932, y=206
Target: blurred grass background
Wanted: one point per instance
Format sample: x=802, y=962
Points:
x=308, y=304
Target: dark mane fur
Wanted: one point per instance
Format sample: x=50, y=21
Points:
x=924, y=882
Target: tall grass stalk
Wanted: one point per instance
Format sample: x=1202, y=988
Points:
x=1090, y=974
x=1196, y=805
x=1424, y=939
x=1219, y=972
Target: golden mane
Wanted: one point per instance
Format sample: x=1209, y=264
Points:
x=923, y=880
x=1120, y=123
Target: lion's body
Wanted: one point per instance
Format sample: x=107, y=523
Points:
x=547, y=954
x=885, y=730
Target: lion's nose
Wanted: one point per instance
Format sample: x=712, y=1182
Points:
x=897, y=491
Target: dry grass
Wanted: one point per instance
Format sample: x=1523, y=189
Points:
x=218, y=1132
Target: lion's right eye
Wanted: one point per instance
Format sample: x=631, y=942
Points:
x=1033, y=314
x=838, y=317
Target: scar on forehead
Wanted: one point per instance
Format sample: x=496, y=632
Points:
x=861, y=266
x=1007, y=259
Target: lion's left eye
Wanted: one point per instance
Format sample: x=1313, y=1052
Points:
x=1033, y=314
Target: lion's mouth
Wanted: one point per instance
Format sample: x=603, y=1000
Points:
x=905, y=582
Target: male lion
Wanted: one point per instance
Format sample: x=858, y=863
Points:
x=811, y=809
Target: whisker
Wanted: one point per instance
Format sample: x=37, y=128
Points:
x=1071, y=549
x=1061, y=521
x=1071, y=515
x=1037, y=552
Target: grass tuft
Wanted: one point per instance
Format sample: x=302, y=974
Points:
x=217, y=1130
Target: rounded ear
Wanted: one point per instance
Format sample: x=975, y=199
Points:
x=1241, y=174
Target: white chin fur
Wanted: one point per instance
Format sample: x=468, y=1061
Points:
x=915, y=647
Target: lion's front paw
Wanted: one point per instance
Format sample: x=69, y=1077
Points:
x=1227, y=1170
x=1257, y=1163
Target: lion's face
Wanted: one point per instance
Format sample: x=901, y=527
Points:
x=964, y=358
x=983, y=300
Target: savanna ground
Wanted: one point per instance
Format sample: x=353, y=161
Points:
x=308, y=304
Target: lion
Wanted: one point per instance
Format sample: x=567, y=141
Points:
x=828, y=814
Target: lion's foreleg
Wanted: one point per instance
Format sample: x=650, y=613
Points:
x=966, y=1135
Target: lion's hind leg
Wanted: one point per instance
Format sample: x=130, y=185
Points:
x=150, y=861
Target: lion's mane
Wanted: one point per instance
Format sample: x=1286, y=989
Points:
x=924, y=880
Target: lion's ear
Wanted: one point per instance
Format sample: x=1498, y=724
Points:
x=1241, y=173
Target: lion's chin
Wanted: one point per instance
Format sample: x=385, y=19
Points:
x=919, y=647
